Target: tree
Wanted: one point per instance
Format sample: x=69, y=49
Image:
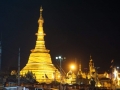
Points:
x=12, y=78
x=29, y=78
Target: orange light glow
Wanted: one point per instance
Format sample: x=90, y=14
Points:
x=72, y=67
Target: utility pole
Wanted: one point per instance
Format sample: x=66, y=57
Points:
x=0, y=54
x=112, y=66
x=19, y=68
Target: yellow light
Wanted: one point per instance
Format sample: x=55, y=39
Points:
x=58, y=76
x=72, y=67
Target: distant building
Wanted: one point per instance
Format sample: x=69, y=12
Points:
x=101, y=79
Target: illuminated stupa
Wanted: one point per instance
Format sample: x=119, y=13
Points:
x=40, y=62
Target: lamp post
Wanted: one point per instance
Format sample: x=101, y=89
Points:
x=19, y=68
x=60, y=59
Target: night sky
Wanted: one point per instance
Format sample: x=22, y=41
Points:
x=74, y=29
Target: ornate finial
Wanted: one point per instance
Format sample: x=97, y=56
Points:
x=41, y=21
x=90, y=57
x=41, y=9
x=41, y=12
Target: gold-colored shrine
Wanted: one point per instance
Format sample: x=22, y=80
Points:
x=40, y=62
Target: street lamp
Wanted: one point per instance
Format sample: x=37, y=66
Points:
x=72, y=67
x=60, y=59
x=117, y=67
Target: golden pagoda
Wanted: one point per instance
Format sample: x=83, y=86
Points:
x=40, y=62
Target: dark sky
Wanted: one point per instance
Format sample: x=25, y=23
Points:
x=74, y=29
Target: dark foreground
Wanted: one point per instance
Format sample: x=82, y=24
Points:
x=56, y=87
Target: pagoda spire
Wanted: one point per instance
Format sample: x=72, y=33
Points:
x=40, y=43
x=41, y=20
x=41, y=12
x=90, y=57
